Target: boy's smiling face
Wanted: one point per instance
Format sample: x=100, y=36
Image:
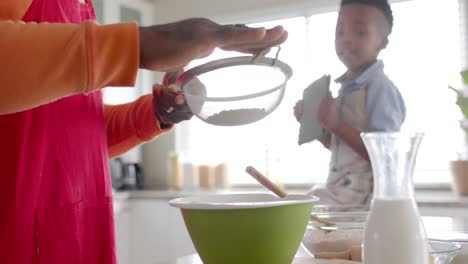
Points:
x=361, y=33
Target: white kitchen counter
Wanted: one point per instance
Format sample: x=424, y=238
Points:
x=440, y=228
x=438, y=198
x=172, y=194
x=195, y=259
x=425, y=198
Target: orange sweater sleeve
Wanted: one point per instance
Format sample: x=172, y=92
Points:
x=129, y=125
x=13, y=9
x=45, y=62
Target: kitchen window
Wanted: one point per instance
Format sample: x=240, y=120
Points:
x=423, y=57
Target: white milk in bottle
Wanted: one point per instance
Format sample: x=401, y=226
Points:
x=394, y=233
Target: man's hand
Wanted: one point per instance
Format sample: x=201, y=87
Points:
x=172, y=46
x=169, y=102
x=169, y=105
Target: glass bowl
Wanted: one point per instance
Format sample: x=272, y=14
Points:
x=443, y=252
x=330, y=210
x=344, y=240
x=456, y=237
x=346, y=234
x=235, y=91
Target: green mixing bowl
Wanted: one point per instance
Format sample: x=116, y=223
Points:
x=251, y=228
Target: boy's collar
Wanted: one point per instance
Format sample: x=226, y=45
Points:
x=363, y=77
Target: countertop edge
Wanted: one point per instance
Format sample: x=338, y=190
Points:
x=426, y=198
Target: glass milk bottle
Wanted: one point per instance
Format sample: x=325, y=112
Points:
x=394, y=232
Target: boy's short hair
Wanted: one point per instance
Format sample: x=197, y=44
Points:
x=381, y=5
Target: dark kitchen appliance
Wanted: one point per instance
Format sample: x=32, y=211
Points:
x=126, y=176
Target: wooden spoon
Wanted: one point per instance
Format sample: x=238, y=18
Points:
x=263, y=180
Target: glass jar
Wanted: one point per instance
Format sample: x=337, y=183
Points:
x=394, y=232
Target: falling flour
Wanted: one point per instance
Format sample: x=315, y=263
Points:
x=237, y=117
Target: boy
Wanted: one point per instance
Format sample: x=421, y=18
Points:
x=367, y=101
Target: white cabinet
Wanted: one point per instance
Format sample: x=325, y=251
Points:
x=157, y=232
x=149, y=231
x=122, y=217
x=149, y=228
x=181, y=244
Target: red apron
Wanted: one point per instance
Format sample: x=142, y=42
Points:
x=55, y=188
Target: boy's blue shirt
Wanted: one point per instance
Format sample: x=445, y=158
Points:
x=384, y=103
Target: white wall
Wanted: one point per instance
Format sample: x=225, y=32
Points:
x=241, y=11
x=245, y=11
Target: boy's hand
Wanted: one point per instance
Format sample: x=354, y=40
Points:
x=298, y=109
x=328, y=115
